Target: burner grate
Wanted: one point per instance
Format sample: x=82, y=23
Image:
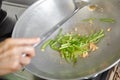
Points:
x=114, y=73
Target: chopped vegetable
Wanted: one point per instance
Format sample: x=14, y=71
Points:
x=92, y=7
x=89, y=19
x=93, y=47
x=71, y=46
x=109, y=29
x=109, y=20
x=76, y=29
x=45, y=45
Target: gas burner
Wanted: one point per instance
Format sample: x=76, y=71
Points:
x=114, y=73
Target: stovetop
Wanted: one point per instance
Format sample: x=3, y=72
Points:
x=14, y=11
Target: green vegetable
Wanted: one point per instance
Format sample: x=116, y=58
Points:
x=110, y=20
x=73, y=45
x=89, y=19
x=45, y=45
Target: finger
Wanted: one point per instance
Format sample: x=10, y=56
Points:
x=7, y=70
x=25, y=61
x=11, y=64
x=18, y=42
x=22, y=41
x=14, y=55
x=27, y=51
x=18, y=51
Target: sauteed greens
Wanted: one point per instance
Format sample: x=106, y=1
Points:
x=72, y=45
x=110, y=20
x=107, y=20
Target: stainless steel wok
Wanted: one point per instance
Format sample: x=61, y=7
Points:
x=44, y=14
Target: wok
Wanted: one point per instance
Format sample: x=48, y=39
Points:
x=45, y=14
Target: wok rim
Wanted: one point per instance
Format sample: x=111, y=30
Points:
x=86, y=77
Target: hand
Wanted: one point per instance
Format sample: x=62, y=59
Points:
x=11, y=54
